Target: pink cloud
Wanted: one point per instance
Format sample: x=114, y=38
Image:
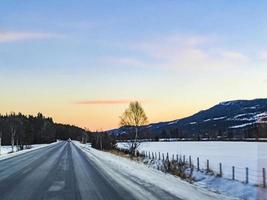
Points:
x=107, y=102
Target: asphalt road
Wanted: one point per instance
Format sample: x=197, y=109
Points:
x=61, y=171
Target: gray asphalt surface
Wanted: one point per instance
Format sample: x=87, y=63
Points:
x=60, y=171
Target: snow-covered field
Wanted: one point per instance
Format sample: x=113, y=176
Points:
x=239, y=154
x=137, y=177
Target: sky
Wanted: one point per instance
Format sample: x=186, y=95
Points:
x=82, y=62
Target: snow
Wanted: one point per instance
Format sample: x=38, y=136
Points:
x=173, y=122
x=218, y=118
x=239, y=154
x=241, y=126
x=206, y=120
x=254, y=116
x=6, y=150
x=193, y=123
x=137, y=177
x=228, y=103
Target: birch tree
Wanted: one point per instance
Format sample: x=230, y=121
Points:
x=134, y=116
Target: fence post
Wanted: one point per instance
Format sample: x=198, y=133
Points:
x=220, y=169
x=208, y=165
x=190, y=162
x=246, y=175
x=233, y=172
x=197, y=163
x=264, y=177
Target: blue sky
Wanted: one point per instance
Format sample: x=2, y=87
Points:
x=175, y=56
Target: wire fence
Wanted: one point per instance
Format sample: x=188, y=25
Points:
x=244, y=175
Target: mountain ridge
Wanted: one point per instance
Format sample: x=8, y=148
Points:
x=238, y=117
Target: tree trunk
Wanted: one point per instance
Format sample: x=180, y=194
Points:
x=0, y=142
x=13, y=133
x=135, y=141
x=101, y=145
x=12, y=142
x=136, y=134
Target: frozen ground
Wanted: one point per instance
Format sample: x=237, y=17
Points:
x=139, y=178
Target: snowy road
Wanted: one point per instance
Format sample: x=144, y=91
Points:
x=64, y=171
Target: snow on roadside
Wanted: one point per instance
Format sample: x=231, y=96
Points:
x=242, y=155
x=127, y=173
x=239, y=154
x=6, y=150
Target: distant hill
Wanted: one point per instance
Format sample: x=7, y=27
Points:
x=230, y=119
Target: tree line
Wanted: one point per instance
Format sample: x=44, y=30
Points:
x=22, y=130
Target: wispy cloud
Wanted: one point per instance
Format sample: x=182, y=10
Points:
x=126, y=61
x=234, y=56
x=184, y=52
x=20, y=36
x=107, y=102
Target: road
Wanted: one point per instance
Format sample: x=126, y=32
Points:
x=62, y=171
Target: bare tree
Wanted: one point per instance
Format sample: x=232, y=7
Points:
x=134, y=116
x=1, y=132
x=14, y=124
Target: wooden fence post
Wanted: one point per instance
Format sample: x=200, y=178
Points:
x=264, y=177
x=190, y=162
x=233, y=172
x=246, y=175
x=197, y=163
x=220, y=169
